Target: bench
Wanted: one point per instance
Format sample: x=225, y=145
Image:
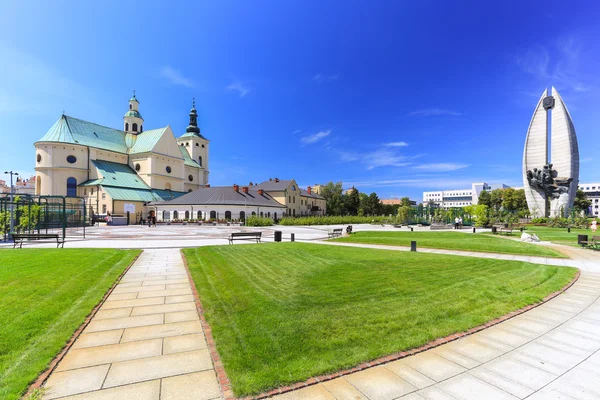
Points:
x=593, y=243
x=245, y=236
x=335, y=233
x=19, y=237
x=505, y=231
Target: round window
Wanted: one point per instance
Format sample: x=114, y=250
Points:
x=168, y=170
x=39, y=157
x=197, y=144
x=137, y=167
x=191, y=178
x=71, y=159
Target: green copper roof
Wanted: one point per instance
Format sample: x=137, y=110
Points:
x=72, y=130
x=189, y=134
x=127, y=194
x=145, y=141
x=133, y=113
x=187, y=159
x=115, y=174
x=133, y=98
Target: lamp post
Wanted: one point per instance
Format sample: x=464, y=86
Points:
x=12, y=220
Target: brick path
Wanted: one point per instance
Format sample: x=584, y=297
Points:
x=145, y=342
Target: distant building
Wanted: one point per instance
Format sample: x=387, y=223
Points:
x=298, y=202
x=350, y=190
x=459, y=197
x=21, y=186
x=317, y=188
x=592, y=190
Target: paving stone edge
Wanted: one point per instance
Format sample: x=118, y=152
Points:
x=225, y=383
x=43, y=377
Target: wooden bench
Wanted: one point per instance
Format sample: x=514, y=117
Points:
x=505, y=231
x=19, y=237
x=593, y=243
x=245, y=236
x=335, y=233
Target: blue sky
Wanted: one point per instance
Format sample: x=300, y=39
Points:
x=395, y=97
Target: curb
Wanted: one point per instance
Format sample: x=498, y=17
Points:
x=43, y=377
x=225, y=383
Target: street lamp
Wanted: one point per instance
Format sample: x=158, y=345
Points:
x=12, y=220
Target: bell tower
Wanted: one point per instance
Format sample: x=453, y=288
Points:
x=196, y=145
x=133, y=121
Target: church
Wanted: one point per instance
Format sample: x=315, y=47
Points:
x=119, y=171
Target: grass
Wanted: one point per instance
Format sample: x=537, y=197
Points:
x=45, y=295
x=453, y=241
x=283, y=312
x=560, y=235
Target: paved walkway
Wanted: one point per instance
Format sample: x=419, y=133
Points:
x=145, y=342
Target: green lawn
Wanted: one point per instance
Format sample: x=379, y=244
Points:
x=453, y=241
x=283, y=312
x=45, y=295
x=560, y=235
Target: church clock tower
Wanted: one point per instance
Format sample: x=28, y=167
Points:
x=133, y=121
x=195, y=144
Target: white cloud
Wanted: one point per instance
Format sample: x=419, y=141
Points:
x=240, y=87
x=396, y=144
x=315, y=138
x=377, y=158
x=440, y=167
x=297, y=131
x=322, y=77
x=433, y=183
x=431, y=112
x=175, y=76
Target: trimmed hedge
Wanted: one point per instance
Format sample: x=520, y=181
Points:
x=258, y=221
x=332, y=220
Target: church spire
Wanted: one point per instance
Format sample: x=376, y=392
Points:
x=193, y=126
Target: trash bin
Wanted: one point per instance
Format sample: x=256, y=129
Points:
x=278, y=236
x=581, y=239
x=413, y=245
x=494, y=229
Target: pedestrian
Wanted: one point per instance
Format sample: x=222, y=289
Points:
x=594, y=226
x=154, y=221
x=149, y=221
x=460, y=222
x=456, y=223
x=109, y=219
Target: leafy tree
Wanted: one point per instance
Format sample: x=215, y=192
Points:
x=405, y=202
x=403, y=214
x=364, y=203
x=582, y=203
x=374, y=204
x=352, y=202
x=496, y=198
x=521, y=200
x=485, y=198
x=332, y=192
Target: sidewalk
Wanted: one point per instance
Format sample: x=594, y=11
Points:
x=145, y=342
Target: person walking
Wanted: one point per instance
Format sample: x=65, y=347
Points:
x=594, y=226
x=456, y=223
x=154, y=221
x=460, y=222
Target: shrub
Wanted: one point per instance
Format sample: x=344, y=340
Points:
x=539, y=221
x=335, y=220
x=258, y=221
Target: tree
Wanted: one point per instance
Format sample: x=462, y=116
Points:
x=485, y=198
x=364, y=203
x=582, y=203
x=332, y=192
x=374, y=204
x=509, y=199
x=352, y=202
x=403, y=214
x=496, y=198
x=405, y=202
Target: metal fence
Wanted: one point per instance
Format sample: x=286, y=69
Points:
x=65, y=216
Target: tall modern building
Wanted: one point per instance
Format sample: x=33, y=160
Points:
x=592, y=190
x=550, y=180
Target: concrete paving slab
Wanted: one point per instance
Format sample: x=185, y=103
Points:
x=195, y=386
x=139, y=391
x=379, y=383
x=77, y=381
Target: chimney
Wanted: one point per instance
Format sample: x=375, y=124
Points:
x=261, y=192
x=276, y=179
x=309, y=190
x=250, y=184
x=270, y=179
x=207, y=185
x=245, y=189
x=236, y=187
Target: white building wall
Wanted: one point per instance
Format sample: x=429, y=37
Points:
x=220, y=210
x=592, y=190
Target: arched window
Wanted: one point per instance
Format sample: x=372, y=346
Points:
x=199, y=215
x=166, y=215
x=269, y=214
x=141, y=128
x=261, y=214
x=275, y=216
x=175, y=214
x=242, y=215
x=213, y=215
x=200, y=160
x=138, y=167
x=130, y=107
x=127, y=125
x=253, y=214
x=134, y=127
x=187, y=215
x=71, y=187
x=228, y=215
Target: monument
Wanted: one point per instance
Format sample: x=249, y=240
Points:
x=550, y=183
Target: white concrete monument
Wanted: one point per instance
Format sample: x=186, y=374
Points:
x=550, y=184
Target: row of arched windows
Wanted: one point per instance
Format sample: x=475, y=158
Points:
x=166, y=215
x=134, y=127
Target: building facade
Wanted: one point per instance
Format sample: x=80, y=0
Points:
x=119, y=171
x=459, y=197
x=592, y=190
x=298, y=202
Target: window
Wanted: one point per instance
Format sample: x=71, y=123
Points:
x=168, y=169
x=39, y=158
x=103, y=208
x=187, y=215
x=71, y=187
x=138, y=167
x=253, y=213
x=269, y=214
x=85, y=192
x=242, y=215
x=127, y=125
x=134, y=127
x=71, y=159
x=182, y=144
x=103, y=196
x=293, y=187
x=199, y=215
x=130, y=107
x=294, y=200
x=202, y=145
x=213, y=214
x=175, y=214
x=200, y=160
x=187, y=144
x=166, y=215
x=191, y=178
x=294, y=212
x=228, y=215
x=290, y=199
x=92, y=191
x=261, y=214
x=141, y=128
x=197, y=144
x=189, y=190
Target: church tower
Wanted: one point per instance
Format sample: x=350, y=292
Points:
x=195, y=144
x=133, y=121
